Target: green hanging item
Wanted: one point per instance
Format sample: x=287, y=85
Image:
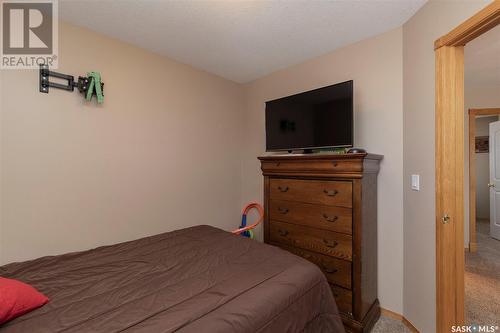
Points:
x=86, y=85
x=94, y=84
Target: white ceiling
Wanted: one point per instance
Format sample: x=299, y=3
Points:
x=240, y=40
x=482, y=59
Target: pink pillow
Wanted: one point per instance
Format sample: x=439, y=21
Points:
x=18, y=298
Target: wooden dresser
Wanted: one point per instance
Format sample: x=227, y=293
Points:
x=323, y=207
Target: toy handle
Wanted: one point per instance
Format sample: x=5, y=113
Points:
x=245, y=211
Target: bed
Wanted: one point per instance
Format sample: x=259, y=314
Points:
x=198, y=279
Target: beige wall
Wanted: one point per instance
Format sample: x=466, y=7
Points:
x=375, y=65
x=162, y=152
x=436, y=18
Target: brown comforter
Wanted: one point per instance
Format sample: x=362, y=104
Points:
x=199, y=279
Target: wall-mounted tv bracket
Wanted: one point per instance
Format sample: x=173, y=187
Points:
x=89, y=85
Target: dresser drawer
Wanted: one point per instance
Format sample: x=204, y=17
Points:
x=343, y=298
x=333, y=218
x=317, y=240
x=336, y=193
x=336, y=271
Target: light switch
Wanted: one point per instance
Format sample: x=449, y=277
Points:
x=415, y=182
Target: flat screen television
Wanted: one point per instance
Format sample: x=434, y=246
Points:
x=320, y=118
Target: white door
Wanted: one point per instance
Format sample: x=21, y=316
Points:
x=495, y=179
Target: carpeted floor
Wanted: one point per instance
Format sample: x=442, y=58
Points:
x=389, y=325
x=482, y=279
x=482, y=285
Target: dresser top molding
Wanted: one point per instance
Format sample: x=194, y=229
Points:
x=320, y=165
x=320, y=156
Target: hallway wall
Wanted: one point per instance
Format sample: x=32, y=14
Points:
x=483, y=171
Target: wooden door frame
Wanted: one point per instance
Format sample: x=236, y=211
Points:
x=473, y=113
x=450, y=147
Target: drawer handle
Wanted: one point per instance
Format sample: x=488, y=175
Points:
x=283, y=210
x=330, y=218
x=330, y=244
x=335, y=164
x=283, y=188
x=331, y=193
x=329, y=270
x=283, y=232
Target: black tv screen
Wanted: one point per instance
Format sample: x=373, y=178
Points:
x=320, y=118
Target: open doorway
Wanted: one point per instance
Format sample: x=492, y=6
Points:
x=450, y=147
x=480, y=178
x=482, y=99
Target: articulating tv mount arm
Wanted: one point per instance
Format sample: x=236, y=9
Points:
x=89, y=86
